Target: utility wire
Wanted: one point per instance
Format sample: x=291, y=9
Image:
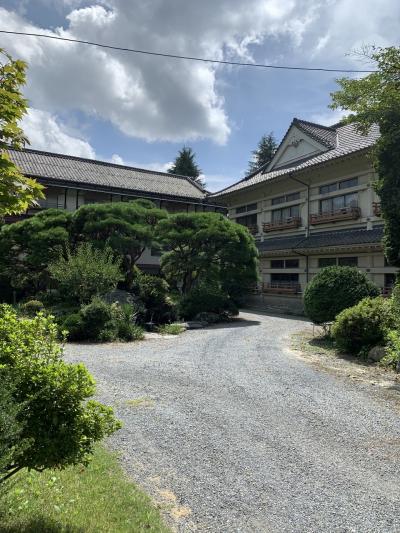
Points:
x=190, y=58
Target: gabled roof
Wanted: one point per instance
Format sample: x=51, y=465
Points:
x=61, y=168
x=345, y=140
x=325, y=239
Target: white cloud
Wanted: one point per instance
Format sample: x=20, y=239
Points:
x=329, y=117
x=147, y=97
x=45, y=132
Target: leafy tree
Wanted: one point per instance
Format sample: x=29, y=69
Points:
x=16, y=191
x=126, y=227
x=27, y=247
x=207, y=246
x=59, y=421
x=375, y=99
x=185, y=165
x=264, y=153
x=85, y=273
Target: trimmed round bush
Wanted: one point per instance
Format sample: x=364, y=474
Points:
x=98, y=321
x=206, y=299
x=32, y=307
x=336, y=288
x=363, y=326
x=74, y=325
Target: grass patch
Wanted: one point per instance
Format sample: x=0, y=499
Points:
x=139, y=402
x=99, y=498
x=171, y=329
x=321, y=344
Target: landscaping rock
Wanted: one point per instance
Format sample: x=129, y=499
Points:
x=377, y=353
x=119, y=296
x=195, y=324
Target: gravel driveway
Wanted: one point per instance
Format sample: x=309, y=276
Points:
x=230, y=432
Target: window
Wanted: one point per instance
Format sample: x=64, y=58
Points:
x=285, y=213
x=390, y=280
x=326, y=262
x=277, y=263
x=245, y=208
x=284, y=263
x=285, y=198
x=283, y=278
x=248, y=220
x=348, y=261
x=339, y=202
x=345, y=184
x=341, y=261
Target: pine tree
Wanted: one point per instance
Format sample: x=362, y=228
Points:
x=185, y=165
x=264, y=153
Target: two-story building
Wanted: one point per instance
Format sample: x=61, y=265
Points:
x=71, y=182
x=312, y=206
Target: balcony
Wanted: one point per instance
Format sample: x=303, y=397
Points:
x=376, y=209
x=253, y=229
x=345, y=213
x=281, y=287
x=286, y=223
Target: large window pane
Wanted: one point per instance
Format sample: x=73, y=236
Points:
x=278, y=200
x=326, y=262
x=337, y=203
x=325, y=189
x=348, y=261
x=326, y=206
x=353, y=182
x=295, y=211
x=351, y=200
x=277, y=263
x=292, y=263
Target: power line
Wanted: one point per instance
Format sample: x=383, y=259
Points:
x=190, y=58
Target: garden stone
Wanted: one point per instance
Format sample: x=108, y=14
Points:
x=377, y=353
x=195, y=324
x=119, y=296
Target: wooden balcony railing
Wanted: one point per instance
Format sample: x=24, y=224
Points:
x=376, y=209
x=286, y=223
x=345, y=213
x=253, y=229
x=281, y=287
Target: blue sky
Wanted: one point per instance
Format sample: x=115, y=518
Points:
x=141, y=110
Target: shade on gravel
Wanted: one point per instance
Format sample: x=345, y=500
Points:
x=232, y=433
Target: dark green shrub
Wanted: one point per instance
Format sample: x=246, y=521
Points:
x=74, y=326
x=392, y=357
x=171, y=329
x=363, y=326
x=98, y=321
x=206, y=299
x=59, y=420
x=130, y=332
x=153, y=292
x=334, y=289
x=32, y=307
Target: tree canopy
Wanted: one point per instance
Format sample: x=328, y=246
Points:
x=185, y=165
x=16, y=191
x=264, y=153
x=126, y=227
x=207, y=247
x=375, y=99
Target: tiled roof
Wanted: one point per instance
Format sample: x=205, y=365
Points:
x=323, y=134
x=65, y=168
x=323, y=240
x=347, y=141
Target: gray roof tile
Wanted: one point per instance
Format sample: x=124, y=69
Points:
x=348, y=141
x=323, y=240
x=64, y=168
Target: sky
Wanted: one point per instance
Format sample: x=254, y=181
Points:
x=140, y=110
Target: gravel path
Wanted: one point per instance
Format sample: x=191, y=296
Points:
x=230, y=432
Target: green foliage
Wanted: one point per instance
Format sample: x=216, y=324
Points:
x=185, y=165
x=206, y=298
x=74, y=326
x=204, y=247
x=98, y=321
x=86, y=273
x=334, y=289
x=264, y=153
x=363, y=326
x=171, y=329
x=11, y=443
x=395, y=300
x=17, y=192
x=126, y=227
x=153, y=293
x=27, y=248
x=32, y=307
x=392, y=357
x=375, y=99
x=58, y=418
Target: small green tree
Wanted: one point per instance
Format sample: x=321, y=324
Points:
x=264, y=153
x=126, y=227
x=17, y=192
x=204, y=246
x=58, y=419
x=185, y=165
x=27, y=247
x=375, y=99
x=86, y=272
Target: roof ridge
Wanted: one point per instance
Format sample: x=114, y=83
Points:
x=109, y=164
x=322, y=126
